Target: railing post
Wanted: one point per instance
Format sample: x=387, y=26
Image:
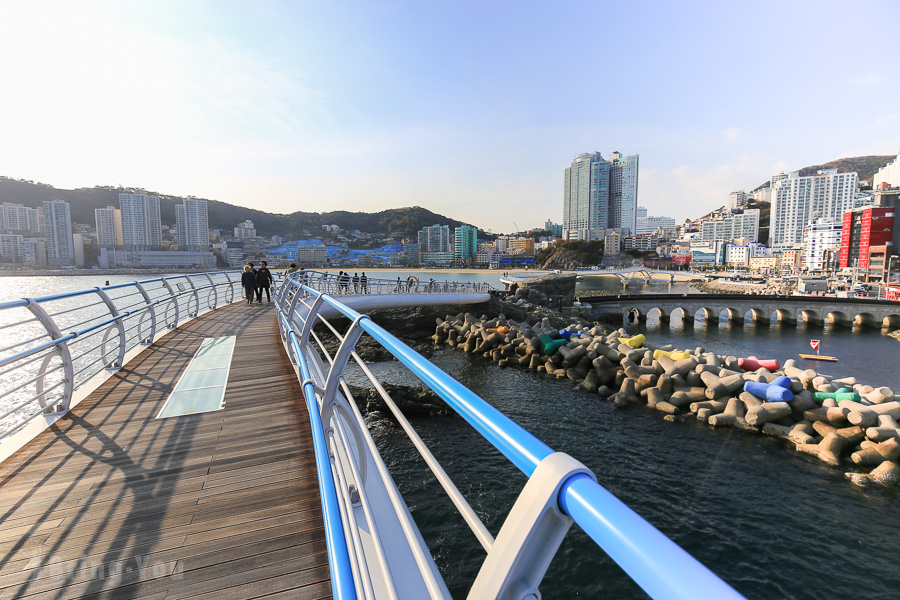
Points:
x=196, y=298
x=229, y=294
x=310, y=321
x=114, y=312
x=530, y=536
x=152, y=310
x=174, y=299
x=68, y=369
x=215, y=294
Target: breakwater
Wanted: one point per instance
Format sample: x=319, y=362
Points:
x=838, y=420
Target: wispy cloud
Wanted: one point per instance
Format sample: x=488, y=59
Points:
x=732, y=133
x=866, y=80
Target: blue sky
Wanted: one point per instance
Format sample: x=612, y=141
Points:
x=470, y=109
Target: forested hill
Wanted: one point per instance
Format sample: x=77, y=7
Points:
x=399, y=221
x=865, y=166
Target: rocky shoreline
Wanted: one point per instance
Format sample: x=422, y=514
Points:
x=839, y=421
x=773, y=286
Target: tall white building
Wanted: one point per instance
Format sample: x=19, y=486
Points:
x=192, y=222
x=600, y=194
x=141, y=226
x=822, y=243
x=737, y=199
x=623, y=191
x=798, y=200
x=109, y=227
x=245, y=230
x=889, y=174
x=58, y=227
x=12, y=248
x=435, y=238
x=647, y=224
x=18, y=219
x=739, y=226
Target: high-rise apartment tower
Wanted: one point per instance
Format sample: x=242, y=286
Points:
x=58, y=227
x=141, y=226
x=192, y=223
x=599, y=193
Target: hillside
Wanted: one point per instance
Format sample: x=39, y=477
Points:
x=865, y=166
x=398, y=221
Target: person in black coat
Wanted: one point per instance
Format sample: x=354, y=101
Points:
x=264, y=280
x=248, y=282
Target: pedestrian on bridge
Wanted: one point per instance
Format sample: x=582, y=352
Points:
x=356, y=283
x=364, y=283
x=248, y=282
x=264, y=280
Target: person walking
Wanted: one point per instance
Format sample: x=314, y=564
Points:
x=356, y=283
x=248, y=282
x=264, y=280
x=292, y=268
x=364, y=283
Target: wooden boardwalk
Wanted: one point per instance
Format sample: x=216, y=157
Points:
x=113, y=503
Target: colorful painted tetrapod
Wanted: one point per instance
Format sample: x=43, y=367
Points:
x=776, y=391
x=635, y=342
x=551, y=345
x=675, y=355
x=751, y=363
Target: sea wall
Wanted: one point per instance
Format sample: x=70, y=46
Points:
x=838, y=421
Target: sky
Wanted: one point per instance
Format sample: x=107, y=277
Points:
x=469, y=109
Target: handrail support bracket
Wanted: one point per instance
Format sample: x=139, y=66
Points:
x=530, y=536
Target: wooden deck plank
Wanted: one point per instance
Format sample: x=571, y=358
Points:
x=223, y=503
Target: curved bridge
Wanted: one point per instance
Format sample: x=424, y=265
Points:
x=641, y=272
x=737, y=308
x=117, y=473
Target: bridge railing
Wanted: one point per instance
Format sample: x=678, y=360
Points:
x=334, y=284
x=371, y=537
x=55, y=349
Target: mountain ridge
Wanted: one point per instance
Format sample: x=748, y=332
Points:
x=222, y=215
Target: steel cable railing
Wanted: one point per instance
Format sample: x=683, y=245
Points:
x=651, y=559
x=90, y=331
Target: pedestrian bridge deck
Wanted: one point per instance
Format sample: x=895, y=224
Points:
x=112, y=503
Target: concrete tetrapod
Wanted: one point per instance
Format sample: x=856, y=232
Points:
x=878, y=453
x=773, y=392
x=751, y=363
x=828, y=450
x=887, y=473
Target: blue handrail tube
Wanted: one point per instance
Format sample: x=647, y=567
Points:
x=657, y=564
x=343, y=586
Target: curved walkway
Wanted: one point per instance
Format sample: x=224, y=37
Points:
x=112, y=503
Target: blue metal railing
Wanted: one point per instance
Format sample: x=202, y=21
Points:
x=656, y=563
x=65, y=331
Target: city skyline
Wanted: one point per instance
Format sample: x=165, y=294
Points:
x=289, y=107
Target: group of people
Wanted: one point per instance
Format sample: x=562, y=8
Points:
x=360, y=283
x=254, y=281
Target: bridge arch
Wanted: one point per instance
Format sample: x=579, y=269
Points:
x=785, y=315
x=734, y=315
x=891, y=321
x=634, y=315
x=758, y=315
x=810, y=316
x=663, y=315
x=839, y=318
x=866, y=319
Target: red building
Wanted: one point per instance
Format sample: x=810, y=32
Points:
x=863, y=228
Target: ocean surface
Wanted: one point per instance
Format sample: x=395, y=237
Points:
x=772, y=523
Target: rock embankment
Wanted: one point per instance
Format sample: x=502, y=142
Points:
x=774, y=286
x=411, y=400
x=839, y=421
